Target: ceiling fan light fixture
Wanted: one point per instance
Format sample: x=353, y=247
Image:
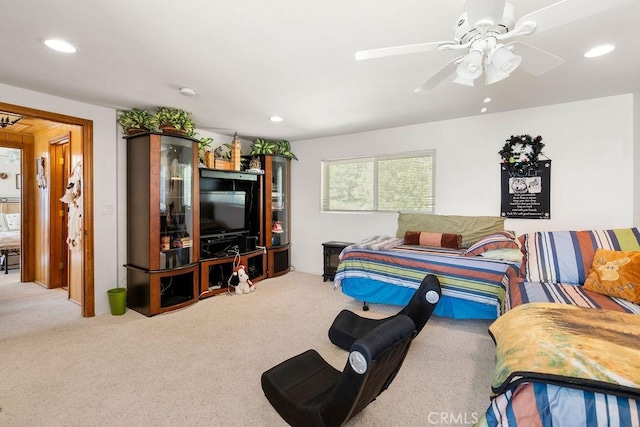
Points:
x=471, y=66
x=494, y=74
x=463, y=81
x=9, y=119
x=504, y=59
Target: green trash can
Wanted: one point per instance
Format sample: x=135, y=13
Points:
x=117, y=300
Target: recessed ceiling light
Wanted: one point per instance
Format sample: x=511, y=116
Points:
x=60, y=45
x=275, y=118
x=187, y=91
x=484, y=110
x=487, y=100
x=599, y=50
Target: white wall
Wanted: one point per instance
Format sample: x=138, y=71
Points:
x=105, y=140
x=590, y=144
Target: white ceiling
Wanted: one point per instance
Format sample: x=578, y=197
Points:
x=251, y=59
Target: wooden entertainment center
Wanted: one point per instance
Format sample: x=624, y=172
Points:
x=188, y=227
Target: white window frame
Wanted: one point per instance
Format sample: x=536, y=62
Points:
x=324, y=184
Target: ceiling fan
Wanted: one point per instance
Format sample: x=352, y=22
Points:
x=481, y=31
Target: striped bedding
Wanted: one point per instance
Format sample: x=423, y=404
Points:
x=566, y=256
x=554, y=267
x=541, y=404
x=557, y=263
x=526, y=292
x=463, y=279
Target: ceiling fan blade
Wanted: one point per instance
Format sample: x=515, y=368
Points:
x=440, y=75
x=566, y=11
x=535, y=61
x=478, y=10
x=398, y=50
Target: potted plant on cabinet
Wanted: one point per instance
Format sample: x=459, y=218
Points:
x=261, y=147
x=174, y=120
x=284, y=149
x=135, y=121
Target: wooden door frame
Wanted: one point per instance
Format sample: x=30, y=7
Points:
x=27, y=206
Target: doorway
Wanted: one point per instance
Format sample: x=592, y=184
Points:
x=33, y=217
x=59, y=153
x=9, y=210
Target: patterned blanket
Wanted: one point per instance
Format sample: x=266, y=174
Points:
x=570, y=346
x=377, y=243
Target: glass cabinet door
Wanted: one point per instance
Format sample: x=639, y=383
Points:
x=279, y=192
x=176, y=202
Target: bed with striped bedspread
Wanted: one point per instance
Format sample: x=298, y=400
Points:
x=561, y=365
x=472, y=287
x=557, y=263
x=566, y=256
x=528, y=292
x=542, y=404
x=555, y=266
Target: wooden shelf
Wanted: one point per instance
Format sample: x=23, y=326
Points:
x=216, y=271
x=161, y=214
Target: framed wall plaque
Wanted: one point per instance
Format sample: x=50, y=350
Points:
x=526, y=194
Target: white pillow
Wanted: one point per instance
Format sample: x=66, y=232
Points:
x=507, y=254
x=12, y=221
x=3, y=222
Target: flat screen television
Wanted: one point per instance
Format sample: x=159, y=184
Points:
x=223, y=212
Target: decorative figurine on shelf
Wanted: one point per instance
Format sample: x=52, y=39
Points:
x=235, y=152
x=277, y=227
x=255, y=165
x=165, y=243
x=240, y=281
x=222, y=157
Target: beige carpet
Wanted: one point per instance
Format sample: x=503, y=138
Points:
x=202, y=365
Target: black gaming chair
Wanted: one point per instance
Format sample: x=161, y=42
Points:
x=307, y=391
x=348, y=326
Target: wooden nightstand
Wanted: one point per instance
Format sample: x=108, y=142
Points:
x=331, y=251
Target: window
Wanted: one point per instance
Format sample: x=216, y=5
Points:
x=401, y=182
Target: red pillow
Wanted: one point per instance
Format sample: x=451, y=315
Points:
x=500, y=240
x=435, y=240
